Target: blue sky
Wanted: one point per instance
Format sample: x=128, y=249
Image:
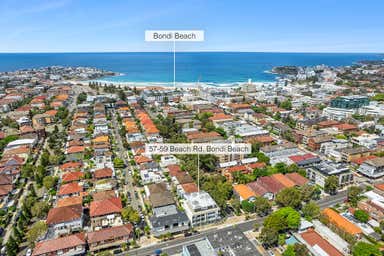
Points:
x=243, y=25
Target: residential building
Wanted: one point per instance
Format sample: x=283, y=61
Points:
x=280, y=152
x=110, y=237
x=166, y=217
x=317, y=245
x=243, y=192
x=70, y=189
x=67, y=246
x=373, y=168
x=318, y=173
x=201, y=209
x=330, y=149
x=350, y=102
x=65, y=220
x=342, y=223
x=349, y=154
x=105, y=213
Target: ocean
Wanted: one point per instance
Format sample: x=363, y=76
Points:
x=213, y=68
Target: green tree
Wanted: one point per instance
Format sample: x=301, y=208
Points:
x=269, y=236
x=40, y=209
x=365, y=249
x=353, y=195
x=248, y=206
x=289, y=197
x=311, y=210
x=287, y=104
x=309, y=192
x=218, y=188
x=17, y=234
x=49, y=182
x=130, y=214
x=263, y=207
x=262, y=158
x=361, y=215
x=81, y=97
x=118, y=163
x=331, y=184
x=208, y=162
x=290, y=251
x=12, y=246
x=280, y=221
x=291, y=217
x=38, y=229
x=301, y=250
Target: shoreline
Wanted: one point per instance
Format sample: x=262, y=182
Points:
x=168, y=85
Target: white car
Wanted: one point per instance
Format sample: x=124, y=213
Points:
x=29, y=252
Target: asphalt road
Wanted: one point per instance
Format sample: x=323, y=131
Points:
x=122, y=153
x=175, y=246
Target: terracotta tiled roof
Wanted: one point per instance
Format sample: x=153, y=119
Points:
x=299, y=158
x=237, y=168
x=189, y=187
x=75, y=149
x=108, y=234
x=342, y=222
x=5, y=189
x=26, y=129
x=257, y=188
x=173, y=169
x=104, y=207
x=51, y=112
x=142, y=159
x=257, y=165
x=17, y=151
x=346, y=127
x=11, y=160
x=220, y=116
x=70, y=188
x=380, y=186
x=361, y=160
x=49, y=247
x=103, y=173
x=313, y=238
x=62, y=97
x=23, y=108
x=57, y=104
x=102, y=195
x=202, y=135
x=70, y=165
x=244, y=191
x=64, y=214
x=283, y=180
x=263, y=139
x=297, y=178
x=101, y=139
x=327, y=123
x=5, y=179
x=239, y=105
x=68, y=201
x=183, y=177
x=72, y=176
x=270, y=184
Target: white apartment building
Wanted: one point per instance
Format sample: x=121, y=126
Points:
x=373, y=168
x=201, y=209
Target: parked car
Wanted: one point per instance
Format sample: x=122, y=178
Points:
x=29, y=252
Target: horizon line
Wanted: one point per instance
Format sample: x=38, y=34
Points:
x=201, y=51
